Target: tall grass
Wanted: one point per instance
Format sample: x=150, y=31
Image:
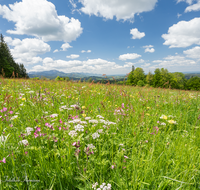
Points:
x=65, y=135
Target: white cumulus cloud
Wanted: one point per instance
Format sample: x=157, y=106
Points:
x=39, y=18
x=193, y=6
x=124, y=57
x=121, y=9
x=149, y=49
x=193, y=53
x=136, y=34
x=25, y=51
x=65, y=46
x=183, y=34
x=72, y=56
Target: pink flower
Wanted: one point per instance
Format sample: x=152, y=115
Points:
x=74, y=144
x=112, y=167
x=38, y=129
x=60, y=121
x=4, y=160
x=125, y=156
x=26, y=153
x=36, y=135
x=11, y=112
x=4, y=109
x=122, y=105
x=60, y=128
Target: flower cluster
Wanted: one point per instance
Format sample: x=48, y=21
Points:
x=103, y=186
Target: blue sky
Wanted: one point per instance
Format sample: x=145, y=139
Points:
x=101, y=36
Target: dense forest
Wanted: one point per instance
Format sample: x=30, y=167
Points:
x=8, y=67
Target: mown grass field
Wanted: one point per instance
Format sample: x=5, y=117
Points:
x=65, y=135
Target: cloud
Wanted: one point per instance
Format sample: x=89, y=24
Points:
x=73, y=56
x=121, y=9
x=124, y=57
x=192, y=7
x=25, y=51
x=90, y=65
x=136, y=34
x=183, y=34
x=65, y=47
x=39, y=18
x=179, y=15
x=56, y=50
x=84, y=51
x=193, y=53
x=174, y=61
x=149, y=49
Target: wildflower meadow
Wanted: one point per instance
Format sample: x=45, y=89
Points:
x=70, y=136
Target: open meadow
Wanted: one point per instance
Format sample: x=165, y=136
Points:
x=70, y=136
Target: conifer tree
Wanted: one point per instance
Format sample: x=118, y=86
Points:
x=7, y=63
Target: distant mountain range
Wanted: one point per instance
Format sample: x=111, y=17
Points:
x=54, y=73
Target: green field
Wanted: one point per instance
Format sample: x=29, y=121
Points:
x=65, y=135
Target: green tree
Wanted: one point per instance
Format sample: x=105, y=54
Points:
x=157, y=78
x=178, y=80
x=165, y=78
x=89, y=80
x=193, y=83
x=130, y=78
x=149, y=79
x=138, y=74
x=7, y=63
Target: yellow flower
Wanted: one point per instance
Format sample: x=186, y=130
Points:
x=83, y=107
x=147, y=114
x=76, y=98
x=163, y=117
x=171, y=121
x=84, y=115
x=23, y=99
x=148, y=107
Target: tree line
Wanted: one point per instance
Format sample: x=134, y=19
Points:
x=162, y=78
x=8, y=67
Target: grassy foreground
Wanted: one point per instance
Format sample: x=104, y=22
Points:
x=65, y=135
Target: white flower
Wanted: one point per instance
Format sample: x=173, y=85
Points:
x=83, y=122
x=24, y=142
x=31, y=92
x=100, y=130
x=95, y=135
x=73, y=133
x=109, y=185
x=54, y=115
x=93, y=121
x=79, y=127
x=14, y=117
x=28, y=130
x=75, y=121
x=163, y=123
x=91, y=146
x=87, y=118
x=100, y=117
